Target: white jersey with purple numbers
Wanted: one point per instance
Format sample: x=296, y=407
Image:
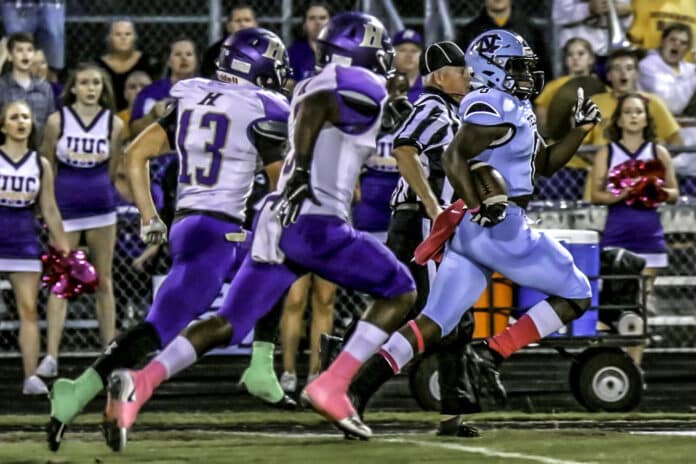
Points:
x=513, y=154
x=20, y=181
x=217, y=155
x=340, y=150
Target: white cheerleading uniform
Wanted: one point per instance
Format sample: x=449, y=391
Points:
x=20, y=185
x=84, y=192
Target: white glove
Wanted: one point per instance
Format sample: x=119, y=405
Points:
x=585, y=110
x=154, y=232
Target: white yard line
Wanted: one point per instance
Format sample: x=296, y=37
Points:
x=489, y=452
x=668, y=433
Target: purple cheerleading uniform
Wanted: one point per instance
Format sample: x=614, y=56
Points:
x=85, y=194
x=217, y=126
x=20, y=183
x=321, y=241
x=635, y=228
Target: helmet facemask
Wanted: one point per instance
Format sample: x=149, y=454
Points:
x=521, y=79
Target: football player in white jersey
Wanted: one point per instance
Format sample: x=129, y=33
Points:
x=221, y=131
x=334, y=119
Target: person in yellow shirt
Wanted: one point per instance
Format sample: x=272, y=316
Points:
x=622, y=74
x=579, y=61
x=652, y=16
x=136, y=81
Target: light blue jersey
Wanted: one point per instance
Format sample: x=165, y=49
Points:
x=513, y=154
x=526, y=256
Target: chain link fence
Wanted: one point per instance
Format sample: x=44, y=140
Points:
x=559, y=197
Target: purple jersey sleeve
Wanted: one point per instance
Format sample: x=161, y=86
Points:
x=484, y=107
x=360, y=94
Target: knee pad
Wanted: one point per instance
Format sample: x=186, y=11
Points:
x=579, y=306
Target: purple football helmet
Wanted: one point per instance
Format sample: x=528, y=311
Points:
x=256, y=55
x=356, y=39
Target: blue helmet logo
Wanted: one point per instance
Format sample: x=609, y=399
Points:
x=503, y=60
x=356, y=39
x=256, y=55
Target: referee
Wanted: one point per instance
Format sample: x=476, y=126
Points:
x=421, y=193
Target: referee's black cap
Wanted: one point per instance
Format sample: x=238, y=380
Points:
x=439, y=55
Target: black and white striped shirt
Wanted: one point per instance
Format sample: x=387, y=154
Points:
x=429, y=128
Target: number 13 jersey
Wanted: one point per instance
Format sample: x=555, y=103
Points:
x=219, y=126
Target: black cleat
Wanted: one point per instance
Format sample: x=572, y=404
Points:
x=485, y=373
x=454, y=428
x=286, y=404
x=54, y=433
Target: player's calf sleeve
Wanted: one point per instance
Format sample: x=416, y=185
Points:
x=372, y=375
x=176, y=357
x=266, y=328
x=364, y=342
x=539, y=321
x=127, y=350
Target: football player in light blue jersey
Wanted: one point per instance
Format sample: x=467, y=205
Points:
x=499, y=128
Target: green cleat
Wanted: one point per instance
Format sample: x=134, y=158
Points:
x=68, y=398
x=260, y=380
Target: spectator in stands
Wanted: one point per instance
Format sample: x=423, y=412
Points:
x=242, y=16
x=409, y=44
x=587, y=19
x=45, y=20
x=84, y=140
x=20, y=248
x=622, y=74
x=579, y=61
x=500, y=14
x=39, y=70
x=18, y=84
x=136, y=81
x=302, y=51
x=652, y=16
x=151, y=102
x=122, y=57
x=664, y=71
x=631, y=136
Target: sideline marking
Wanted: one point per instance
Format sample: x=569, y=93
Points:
x=484, y=451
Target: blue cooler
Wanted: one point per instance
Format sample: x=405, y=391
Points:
x=584, y=246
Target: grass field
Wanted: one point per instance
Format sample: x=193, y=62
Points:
x=303, y=438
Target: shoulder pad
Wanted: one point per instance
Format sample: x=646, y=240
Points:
x=485, y=107
x=275, y=106
x=182, y=88
x=277, y=130
x=361, y=81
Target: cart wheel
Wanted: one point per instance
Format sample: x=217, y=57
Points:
x=574, y=382
x=424, y=383
x=607, y=380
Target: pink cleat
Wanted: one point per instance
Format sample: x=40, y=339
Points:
x=326, y=398
x=127, y=392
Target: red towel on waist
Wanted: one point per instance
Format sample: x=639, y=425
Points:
x=445, y=224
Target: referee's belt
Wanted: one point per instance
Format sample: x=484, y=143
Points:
x=417, y=207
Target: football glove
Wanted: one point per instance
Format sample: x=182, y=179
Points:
x=296, y=191
x=585, y=110
x=153, y=232
x=488, y=215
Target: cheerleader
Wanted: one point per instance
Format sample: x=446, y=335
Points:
x=84, y=140
x=633, y=226
x=26, y=180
